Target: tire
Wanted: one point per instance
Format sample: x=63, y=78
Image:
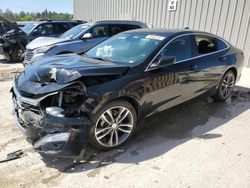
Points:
x=225, y=87
x=16, y=55
x=105, y=133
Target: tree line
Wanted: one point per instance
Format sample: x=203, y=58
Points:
x=28, y=16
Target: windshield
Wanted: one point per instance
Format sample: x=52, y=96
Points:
x=74, y=32
x=126, y=48
x=28, y=27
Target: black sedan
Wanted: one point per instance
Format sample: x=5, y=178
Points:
x=64, y=102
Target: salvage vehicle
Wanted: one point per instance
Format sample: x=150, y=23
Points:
x=78, y=39
x=15, y=39
x=12, y=41
x=46, y=27
x=64, y=102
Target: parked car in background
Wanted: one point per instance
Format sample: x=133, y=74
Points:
x=64, y=102
x=78, y=39
x=52, y=28
x=15, y=39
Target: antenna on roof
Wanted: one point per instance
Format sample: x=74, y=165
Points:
x=186, y=27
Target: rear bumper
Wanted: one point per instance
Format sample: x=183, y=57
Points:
x=52, y=135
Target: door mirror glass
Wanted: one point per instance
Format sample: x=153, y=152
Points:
x=87, y=36
x=163, y=61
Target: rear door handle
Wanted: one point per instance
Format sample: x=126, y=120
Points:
x=193, y=67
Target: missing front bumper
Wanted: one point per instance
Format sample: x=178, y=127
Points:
x=55, y=136
x=50, y=134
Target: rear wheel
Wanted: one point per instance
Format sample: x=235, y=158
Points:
x=113, y=125
x=225, y=87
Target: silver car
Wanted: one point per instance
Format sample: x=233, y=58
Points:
x=78, y=39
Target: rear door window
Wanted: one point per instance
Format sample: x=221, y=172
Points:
x=60, y=28
x=100, y=31
x=180, y=48
x=115, y=29
x=205, y=44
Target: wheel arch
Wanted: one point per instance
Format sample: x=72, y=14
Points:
x=231, y=68
x=234, y=70
x=130, y=100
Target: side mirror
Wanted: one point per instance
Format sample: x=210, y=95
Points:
x=35, y=32
x=87, y=36
x=163, y=61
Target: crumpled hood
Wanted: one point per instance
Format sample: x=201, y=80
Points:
x=10, y=24
x=44, y=41
x=54, y=73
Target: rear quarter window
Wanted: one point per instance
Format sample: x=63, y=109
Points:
x=61, y=28
x=208, y=44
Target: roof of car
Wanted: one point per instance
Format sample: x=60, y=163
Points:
x=57, y=21
x=166, y=32
x=117, y=22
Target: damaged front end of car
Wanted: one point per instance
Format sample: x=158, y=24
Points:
x=52, y=116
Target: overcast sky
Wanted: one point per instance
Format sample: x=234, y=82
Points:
x=65, y=6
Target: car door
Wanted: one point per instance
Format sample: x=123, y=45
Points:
x=210, y=60
x=172, y=84
x=99, y=33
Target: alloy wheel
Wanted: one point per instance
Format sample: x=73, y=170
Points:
x=227, y=85
x=114, y=126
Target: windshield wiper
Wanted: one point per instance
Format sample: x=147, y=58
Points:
x=102, y=59
x=98, y=58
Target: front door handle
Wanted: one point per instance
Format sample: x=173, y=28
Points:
x=193, y=67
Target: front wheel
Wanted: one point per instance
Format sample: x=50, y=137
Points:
x=225, y=87
x=17, y=54
x=113, y=125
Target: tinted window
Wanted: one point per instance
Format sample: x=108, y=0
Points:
x=72, y=24
x=129, y=27
x=7, y=28
x=61, y=28
x=180, y=48
x=115, y=29
x=100, y=31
